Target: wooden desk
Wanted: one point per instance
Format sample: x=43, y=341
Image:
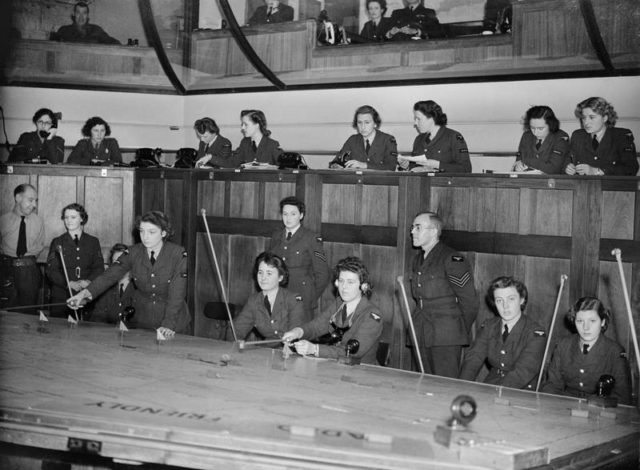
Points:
x=99, y=397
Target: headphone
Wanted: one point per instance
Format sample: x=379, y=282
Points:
x=365, y=288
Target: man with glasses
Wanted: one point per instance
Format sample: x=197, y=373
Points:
x=41, y=144
x=446, y=298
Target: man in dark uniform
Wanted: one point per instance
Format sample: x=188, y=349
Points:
x=447, y=303
x=512, y=344
x=81, y=30
x=414, y=21
x=272, y=12
x=21, y=241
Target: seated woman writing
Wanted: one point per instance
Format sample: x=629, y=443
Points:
x=274, y=309
x=356, y=318
x=580, y=360
x=213, y=150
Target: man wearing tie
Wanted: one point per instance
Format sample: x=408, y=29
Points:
x=272, y=12
x=21, y=241
x=414, y=22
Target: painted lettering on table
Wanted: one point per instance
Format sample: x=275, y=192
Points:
x=149, y=410
x=334, y=433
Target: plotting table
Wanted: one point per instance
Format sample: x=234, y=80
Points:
x=92, y=392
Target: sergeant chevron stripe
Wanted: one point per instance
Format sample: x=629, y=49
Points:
x=460, y=281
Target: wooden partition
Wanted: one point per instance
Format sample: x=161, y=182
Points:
x=535, y=228
x=106, y=193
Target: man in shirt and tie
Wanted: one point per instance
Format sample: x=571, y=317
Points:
x=511, y=344
x=414, y=22
x=273, y=11
x=446, y=300
x=21, y=241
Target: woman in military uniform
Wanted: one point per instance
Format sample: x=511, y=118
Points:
x=352, y=317
x=256, y=145
x=436, y=148
x=511, y=344
x=370, y=147
x=41, y=144
x=159, y=271
x=543, y=146
x=302, y=251
x=274, y=309
x=213, y=150
x=580, y=360
x=97, y=147
x=82, y=258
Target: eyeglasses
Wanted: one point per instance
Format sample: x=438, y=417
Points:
x=418, y=228
x=45, y=123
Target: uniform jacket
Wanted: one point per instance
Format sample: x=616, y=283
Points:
x=83, y=261
x=220, y=151
x=282, y=14
x=30, y=146
x=286, y=314
x=422, y=18
x=159, y=298
x=514, y=363
x=382, y=155
x=616, y=153
x=551, y=156
x=448, y=147
x=447, y=303
x=372, y=33
x=304, y=256
x=90, y=33
x=110, y=304
x=268, y=151
x=576, y=374
x=366, y=327
x=83, y=152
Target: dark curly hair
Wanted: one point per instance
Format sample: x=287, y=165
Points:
x=503, y=282
x=257, y=117
x=542, y=112
x=79, y=209
x=599, y=106
x=292, y=201
x=382, y=3
x=206, y=124
x=273, y=260
x=45, y=112
x=355, y=265
x=366, y=109
x=433, y=110
x=93, y=122
x=157, y=218
x=588, y=303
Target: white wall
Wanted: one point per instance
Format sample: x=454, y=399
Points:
x=488, y=114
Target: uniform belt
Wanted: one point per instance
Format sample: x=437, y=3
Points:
x=20, y=262
x=436, y=302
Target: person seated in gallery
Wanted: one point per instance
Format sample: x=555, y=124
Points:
x=580, y=360
x=370, y=148
x=273, y=11
x=97, y=148
x=437, y=147
x=600, y=148
x=257, y=146
x=543, y=146
x=510, y=344
x=213, y=150
x=111, y=306
x=81, y=30
x=375, y=30
x=352, y=317
x=414, y=22
x=275, y=309
x=41, y=144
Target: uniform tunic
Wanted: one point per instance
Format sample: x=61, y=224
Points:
x=366, y=327
x=268, y=151
x=374, y=33
x=286, y=314
x=448, y=147
x=382, y=155
x=220, y=151
x=83, y=261
x=447, y=302
x=112, y=303
x=616, y=153
x=550, y=157
x=30, y=146
x=421, y=18
x=159, y=298
x=282, y=14
x=108, y=152
x=513, y=363
x=89, y=33
x=304, y=256
x=576, y=374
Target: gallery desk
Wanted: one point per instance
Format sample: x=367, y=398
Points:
x=183, y=403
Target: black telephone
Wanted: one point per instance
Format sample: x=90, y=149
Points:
x=186, y=158
x=291, y=160
x=54, y=125
x=340, y=160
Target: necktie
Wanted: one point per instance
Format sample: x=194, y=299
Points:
x=585, y=348
x=594, y=143
x=427, y=138
x=152, y=258
x=289, y=236
x=367, y=146
x=505, y=333
x=254, y=146
x=22, y=239
x=76, y=240
x=538, y=144
x=343, y=315
x=267, y=305
x=269, y=11
x=121, y=290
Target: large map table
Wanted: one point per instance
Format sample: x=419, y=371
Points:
x=91, y=392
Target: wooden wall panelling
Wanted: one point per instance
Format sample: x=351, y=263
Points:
x=545, y=212
x=611, y=293
x=104, y=201
x=618, y=214
x=55, y=192
x=309, y=190
x=211, y=196
x=273, y=194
